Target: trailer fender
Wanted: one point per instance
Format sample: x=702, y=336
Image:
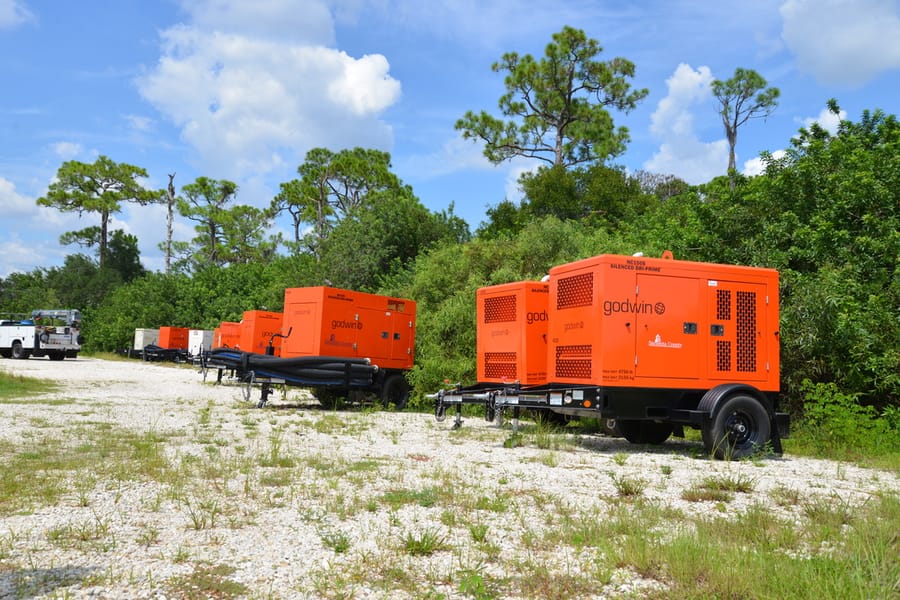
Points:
x=711, y=400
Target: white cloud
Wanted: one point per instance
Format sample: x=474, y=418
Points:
x=681, y=153
x=250, y=103
x=844, y=42
x=827, y=120
x=67, y=150
x=756, y=166
x=139, y=123
x=14, y=204
x=13, y=13
x=22, y=256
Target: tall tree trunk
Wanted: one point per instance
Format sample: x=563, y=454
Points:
x=731, y=134
x=104, y=230
x=170, y=202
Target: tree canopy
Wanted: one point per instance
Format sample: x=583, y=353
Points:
x=100, y=187
x=742, y=97
x=558, y=106
x=331, y=187
x=226, y=233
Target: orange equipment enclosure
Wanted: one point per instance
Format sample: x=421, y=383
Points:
x=327, y=321
x=173, y=338
x=257, y=328
x=512, y=333
x=658, y=322
x=227, y=335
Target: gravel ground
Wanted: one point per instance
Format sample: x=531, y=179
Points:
x=292, y=501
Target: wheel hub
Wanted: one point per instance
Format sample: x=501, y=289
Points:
x=738, y=428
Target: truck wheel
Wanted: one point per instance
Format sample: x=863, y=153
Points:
x=18, y=352
x=739, y=428
x=395, y=391
x=57, y=355
x=644, y=432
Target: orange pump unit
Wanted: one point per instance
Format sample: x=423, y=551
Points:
x=256, y=330
x=326, y=321
x=227, y=335
x=643, y=322
x=173, y=338
x=512, y=323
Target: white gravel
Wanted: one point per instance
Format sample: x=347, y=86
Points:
x=273, y=493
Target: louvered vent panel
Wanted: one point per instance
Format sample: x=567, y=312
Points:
x=723, y=305
x=746, y=332
x=574, y=362
x=500, y=309
x=500, y=365
x=575, y=291
x=723, y=356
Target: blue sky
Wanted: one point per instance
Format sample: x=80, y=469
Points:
x=240, y=90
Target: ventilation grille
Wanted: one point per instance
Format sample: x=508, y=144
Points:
x=723, y=305
x=575, y=291
x=500, y=309
x=723, y=356
x=500, y=365
x=746, y=332
x=574, y=362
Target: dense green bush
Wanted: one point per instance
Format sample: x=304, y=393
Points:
x=835, y=424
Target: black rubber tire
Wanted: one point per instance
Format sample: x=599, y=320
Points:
x=740, y=427
x=644, y=432
x=57, y=355
x=18, y=352
x=395, y=392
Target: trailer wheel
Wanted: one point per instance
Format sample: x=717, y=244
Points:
x=18, y=352
x=644, y=432
x=739, y=428
x=395, y=391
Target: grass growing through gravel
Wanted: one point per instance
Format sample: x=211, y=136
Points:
x=39, y=470
x=15, y=389
x=445, y=533
x=207, y=581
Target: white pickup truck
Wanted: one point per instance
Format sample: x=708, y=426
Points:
x=54, y=333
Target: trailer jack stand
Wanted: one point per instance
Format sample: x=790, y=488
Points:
x=457, y=423
x=264, y=395
x=515, y=423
